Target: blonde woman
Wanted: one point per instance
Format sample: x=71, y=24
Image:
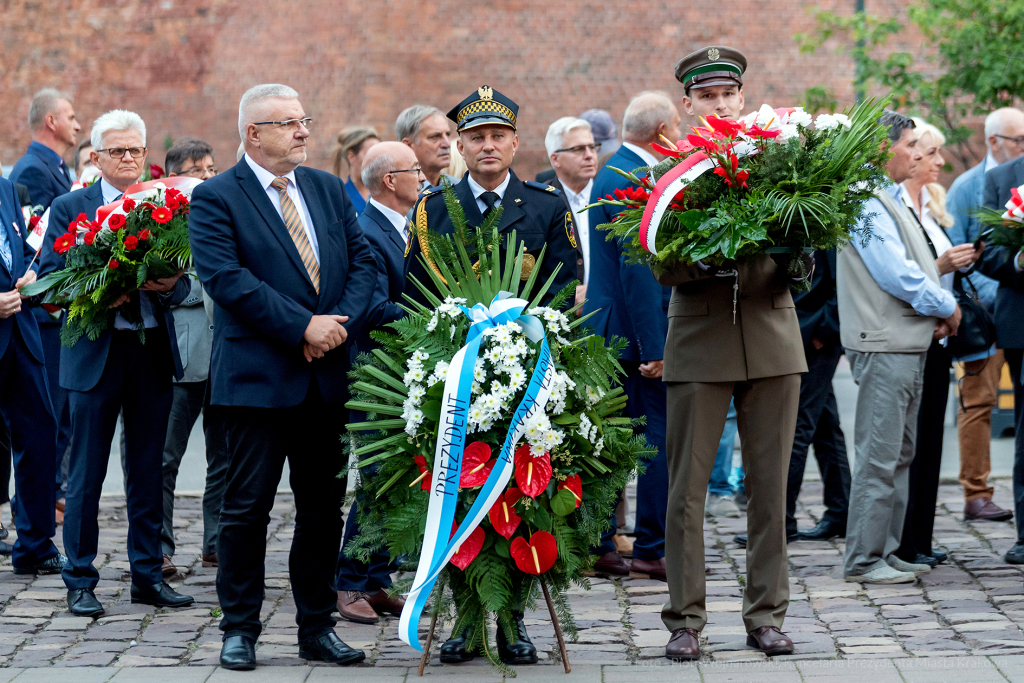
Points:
x=349, y=150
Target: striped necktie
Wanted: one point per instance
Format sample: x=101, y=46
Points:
x=290, y=214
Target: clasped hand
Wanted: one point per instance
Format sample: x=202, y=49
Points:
x=324, y=332
x=10, y=302
x=162, y=286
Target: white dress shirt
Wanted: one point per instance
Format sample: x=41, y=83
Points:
x=647, y=157
x=265, y=179
x=398, y=220
x=940, y=240
x=112, y=194
x=576, y=202
x=478, y=190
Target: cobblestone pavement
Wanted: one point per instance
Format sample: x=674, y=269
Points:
x=965, y=615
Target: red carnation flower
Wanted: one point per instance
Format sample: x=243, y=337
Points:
x=162, y=215
x=82, y=218
x=128, y=204
x=33, y=222
x=144, y=234
x=113, y=264
x=131, y=242
x=155, y=172
x=64, y=242
x=172, y=193
x=171, y=203
x=90, y=237
x=115, y=222
x=73, y=226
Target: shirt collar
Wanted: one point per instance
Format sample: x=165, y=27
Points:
x=266, y=177
x=48, y=153
x=583, y=194
x=896, y=191
x=990, y=162
x=478, y=189
x=110, y=193
x=397, y=219
x=647, y=157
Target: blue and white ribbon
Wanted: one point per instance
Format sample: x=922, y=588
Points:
x=451, y=441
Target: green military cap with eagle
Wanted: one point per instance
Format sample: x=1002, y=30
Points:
x=484, y=107
x=714, y=65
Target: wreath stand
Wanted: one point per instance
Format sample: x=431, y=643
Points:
x=554, y=621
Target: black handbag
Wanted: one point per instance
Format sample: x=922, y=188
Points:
x=977, y=331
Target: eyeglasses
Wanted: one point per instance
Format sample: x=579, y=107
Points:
x=1019, y=140
x=581, y=149
x=118, y=152
x=200, y=172
x=416, y=170
x=288, y=124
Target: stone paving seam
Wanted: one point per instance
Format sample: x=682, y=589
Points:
x=632, y=651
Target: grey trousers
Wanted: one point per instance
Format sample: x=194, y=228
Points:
x=886, y=432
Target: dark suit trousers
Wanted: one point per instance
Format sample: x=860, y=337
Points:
x=353, y=575
x=49, y=334
x=817, y=422
x=646, y=399
x=135, y=380
x=766, y=412
x=1014, y=358
x=25, y=405
x=309, y=435
x=924, y=470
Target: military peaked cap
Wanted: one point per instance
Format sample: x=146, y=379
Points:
x=484, y=107
x=711, y=66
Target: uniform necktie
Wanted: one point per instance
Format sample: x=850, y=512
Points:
x=490, y=199
x=407, y=231
x=290, y=214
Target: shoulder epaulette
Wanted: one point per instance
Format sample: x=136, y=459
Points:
x=541, y=186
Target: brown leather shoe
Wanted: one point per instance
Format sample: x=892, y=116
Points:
x=354, y=606
x=610, y=564
x=770, y=640
x=168, y=568
x=60, y=506
x=648, y=569
x=210, y=560
x=984, y=509
x=623, y=545
x=382, y=603
x=684, y=645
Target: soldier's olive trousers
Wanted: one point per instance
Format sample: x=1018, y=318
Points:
x=766, y=411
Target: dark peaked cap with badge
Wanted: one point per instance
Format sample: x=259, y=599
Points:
x=484, y=107
x=714, y=65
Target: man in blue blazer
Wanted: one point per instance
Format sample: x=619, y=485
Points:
x=25, y=400
x=117, y=373
x=632, y=305
x=278, y=249
x=51, y=118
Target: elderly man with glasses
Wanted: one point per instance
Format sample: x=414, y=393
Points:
x=112, y=374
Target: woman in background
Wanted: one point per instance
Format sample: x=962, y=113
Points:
x=349, y=149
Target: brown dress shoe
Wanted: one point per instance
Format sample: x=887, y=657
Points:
x=610, y=564
x=168, y=568
x=382, y=603
x=210, y=560
x=984, y=509
x=623, y=544
x=770, y=640
x=648, y=569
x=354, y=606
x=684, y=645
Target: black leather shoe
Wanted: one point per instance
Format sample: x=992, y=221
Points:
x=54, y=565
x=160, y=595
x=82, y=602
x=522, y=651
x=1015, y=555
x=825, y=530
x=921, y=558
x=453, y=650
x=940, y=556
x=741, y=539
x=238, y=653
x=4, y=533
x=6, y=548
x=331, y=649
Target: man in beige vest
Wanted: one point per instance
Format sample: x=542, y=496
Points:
x=891, y=306
x=732, y=333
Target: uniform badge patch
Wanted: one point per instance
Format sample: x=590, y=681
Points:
x=569, y=232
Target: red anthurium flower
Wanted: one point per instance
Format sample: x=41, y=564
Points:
x=131, y=242
x=162, y=215
x=532, y=474
x=144, y=234
x=574, y=485
x=476, y=465
x=537, y=555
x=115, y=222
x=684, y=147
x=156, y=172
x=64, y=242
x=758, y=132
x=503, y=516
x=424, y=477
x=710, y=146
x=469, y=549
x=113, y=264
x=665, y=151
x=725, y=127
x=128, y=204
x=725, y=176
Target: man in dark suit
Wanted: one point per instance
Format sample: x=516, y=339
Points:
x=51, y=118
x=573, y=154
x=25, y=401
x=279, y=251
x=113, y=374
x=486, y=122
x=392, y=174
x=1000, y=264
x=632, y=305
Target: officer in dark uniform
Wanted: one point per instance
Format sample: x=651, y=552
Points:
x=486, y=122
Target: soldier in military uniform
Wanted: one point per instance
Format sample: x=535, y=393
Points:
x=725, y=343
x=486, y=125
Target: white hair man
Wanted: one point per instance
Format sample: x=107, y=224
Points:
x=278, y=250
x=573, y=155
x=1004, y=140
x=425, y=129
x=112, y=374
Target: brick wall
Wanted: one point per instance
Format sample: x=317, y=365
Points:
x=183, y=64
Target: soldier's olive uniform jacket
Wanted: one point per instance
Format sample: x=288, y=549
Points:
x=703, y=344
x=535, y=211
